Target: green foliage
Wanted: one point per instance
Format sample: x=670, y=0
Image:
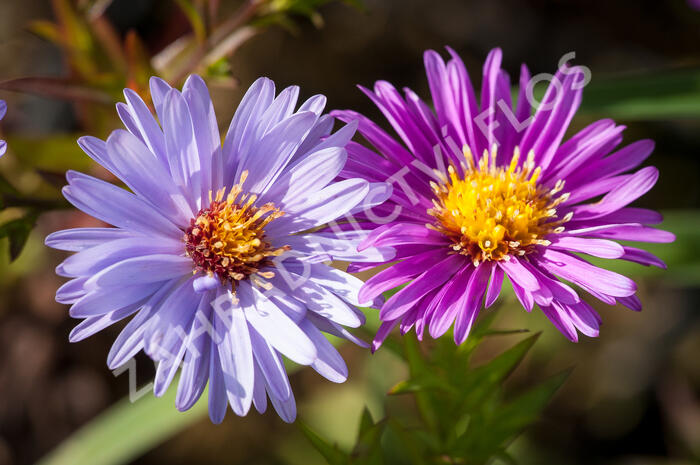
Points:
x=651, y=96
x=682, y=257
x=281, y=11
x=125, y=431
x=463, y=413
x=17, y=232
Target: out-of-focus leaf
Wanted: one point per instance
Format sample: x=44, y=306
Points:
x=56, y=153
x=420, y=369
x=422, y=383
x=17, y=232
x=407, y=441
x=485, y=379
x=53, y=178
x=525, y=408
x=366, y=422
x=505, y=422
x=330, y=452
x=125, y=431
x=97, y=8
x=229, y=45
x=78, y=44
x=7, y=188
x=138, y=65
x=653, y=96
x=59, y=88
x=104, y=32
x=368, y=448
x=47, y=30
x=195, y=19
x=279, y=11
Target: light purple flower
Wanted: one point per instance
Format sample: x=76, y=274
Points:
x=481, y=192
x=210, y=253
x=695, y=4
x=3, y=110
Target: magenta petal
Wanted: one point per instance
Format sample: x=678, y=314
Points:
x=586, y=275
x=431, y=278
x=382, y=333
x=596, y=247
x=476, y=288
x=519, y=274
x=560, y=318
x=495, y=285
x=399, y=274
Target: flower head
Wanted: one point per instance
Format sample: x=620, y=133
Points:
x=3, y=110
x=211, y=252
x=488, y=189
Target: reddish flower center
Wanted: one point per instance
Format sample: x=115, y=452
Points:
x=228, y=238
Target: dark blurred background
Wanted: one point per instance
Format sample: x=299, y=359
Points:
x=634, y=397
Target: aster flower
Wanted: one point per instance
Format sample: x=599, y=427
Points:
x=209, y=250
x=482, y=192
x=3, y=110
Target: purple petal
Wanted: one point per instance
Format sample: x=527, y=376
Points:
x=272, y=153
x=75, y=240
x=474, y=295
x=236, y=355
x=280, y=331
x=102, y=301
x=428, y=280
x=596, y=247
x=328, y=363
x=399, y=273
x=586, y=275
x=495, y=285
x=145, y=269
x=116, y=206
x=271, y=366
x=637, y=185
x=448, y=302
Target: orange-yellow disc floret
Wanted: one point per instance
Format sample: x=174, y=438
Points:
x=493, y=212
x=228, y=238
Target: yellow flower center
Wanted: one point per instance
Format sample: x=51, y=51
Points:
x=493, y=212
x=228, y=237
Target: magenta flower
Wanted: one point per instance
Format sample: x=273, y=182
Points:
x=484, y=190
x=3, y=110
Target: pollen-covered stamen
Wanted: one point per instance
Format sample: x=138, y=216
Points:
x=228, y=237
x=494, y=212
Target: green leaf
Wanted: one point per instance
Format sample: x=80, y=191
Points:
x=650, y=96
x=368, y=449
x=17, y=232
x=422, y=383
x=7, y=188
x=408, y=442
x=125, y=431
x=484, y=380
x=330, y=452
x=57, y=152
x=366, y=422
x=195, y=19
x=526, y=408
